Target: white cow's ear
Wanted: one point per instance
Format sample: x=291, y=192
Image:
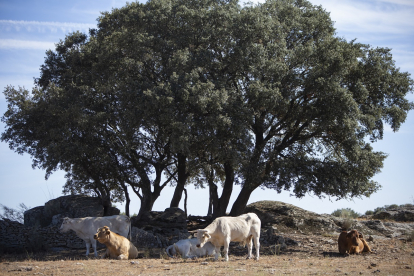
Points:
x=207, y=235
x=195, y=235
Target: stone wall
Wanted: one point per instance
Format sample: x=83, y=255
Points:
x=15, y=237
x=41, y=224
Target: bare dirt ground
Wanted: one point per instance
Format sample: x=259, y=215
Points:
x=312, y=255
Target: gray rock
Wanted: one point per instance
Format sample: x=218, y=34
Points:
x=290, y=216
x=400, y=214
x=73, y=206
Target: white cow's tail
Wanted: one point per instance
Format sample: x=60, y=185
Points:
x=168, y=250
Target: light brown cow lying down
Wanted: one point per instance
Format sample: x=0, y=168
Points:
x=117, y=247
x=352, y=242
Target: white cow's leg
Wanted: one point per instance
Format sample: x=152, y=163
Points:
x=94, y=247
x=217, y=255
x=186, y=251
x=88, y=245
x=257, y=246
x=249, y=247
x=226, y=249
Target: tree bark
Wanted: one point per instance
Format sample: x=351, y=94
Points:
x=185, y=202
x=240, y=204
x=127, y=198
x=213, y=196
x=147, y=203
x=106, y=203
x=223, y=201
x=181, y=180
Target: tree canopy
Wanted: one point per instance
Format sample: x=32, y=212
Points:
x=210, y=93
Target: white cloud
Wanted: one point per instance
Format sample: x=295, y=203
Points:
x=399, y=2
x=380, y=17
x=43, y=27
x=8, y=44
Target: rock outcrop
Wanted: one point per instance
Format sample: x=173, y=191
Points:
x=73, y=206
x=404, y=214
x=160, y=229
x=286, y=218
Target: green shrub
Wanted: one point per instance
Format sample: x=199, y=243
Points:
x=347, y=224
x=379, y=209
x=345, y=213
x=369, y=212
x=391, y=207
x=411, y=236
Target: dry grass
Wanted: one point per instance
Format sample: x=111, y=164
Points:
x=314, y=255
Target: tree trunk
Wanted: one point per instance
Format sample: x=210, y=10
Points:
x=185, y=202
x=106, y=203
x=182, y=178
x=213, y=196
x=127, y=198
x=223, y=201
x=147, y=203
x=210, y=207
x=240, y=204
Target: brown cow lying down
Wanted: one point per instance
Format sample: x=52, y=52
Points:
x=117, y=247
x=352, y=242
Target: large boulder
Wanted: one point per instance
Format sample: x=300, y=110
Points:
x=283, y=217
x=159, y=229
x=399, y=214
x=170, y=218
x=287, y=216
x=73, y=206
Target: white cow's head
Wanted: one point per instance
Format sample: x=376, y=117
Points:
x=202, y=236
x=65, y=225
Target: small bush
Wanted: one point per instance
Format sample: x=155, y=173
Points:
x=347, y=224
x=391, y=207
x=411, y=236
x=14, y=214
x=379, y=209
x=345, y=213
x=369, y=213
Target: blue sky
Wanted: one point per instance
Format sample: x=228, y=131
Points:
x=29, y=28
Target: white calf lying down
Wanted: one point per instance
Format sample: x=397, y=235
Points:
x=188, y=249
x=117, y=247
x=223, y=230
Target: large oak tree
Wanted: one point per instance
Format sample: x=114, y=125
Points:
x=264, y=95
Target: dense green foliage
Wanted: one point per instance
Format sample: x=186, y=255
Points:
x=211, y=93
x=345, y=213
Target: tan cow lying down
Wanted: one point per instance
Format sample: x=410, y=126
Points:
x=85, y=228
x=117, y=247
x=352, y=242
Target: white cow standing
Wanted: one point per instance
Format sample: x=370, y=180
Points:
x=85, y=228
x=223, y=230
x=188, y=249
